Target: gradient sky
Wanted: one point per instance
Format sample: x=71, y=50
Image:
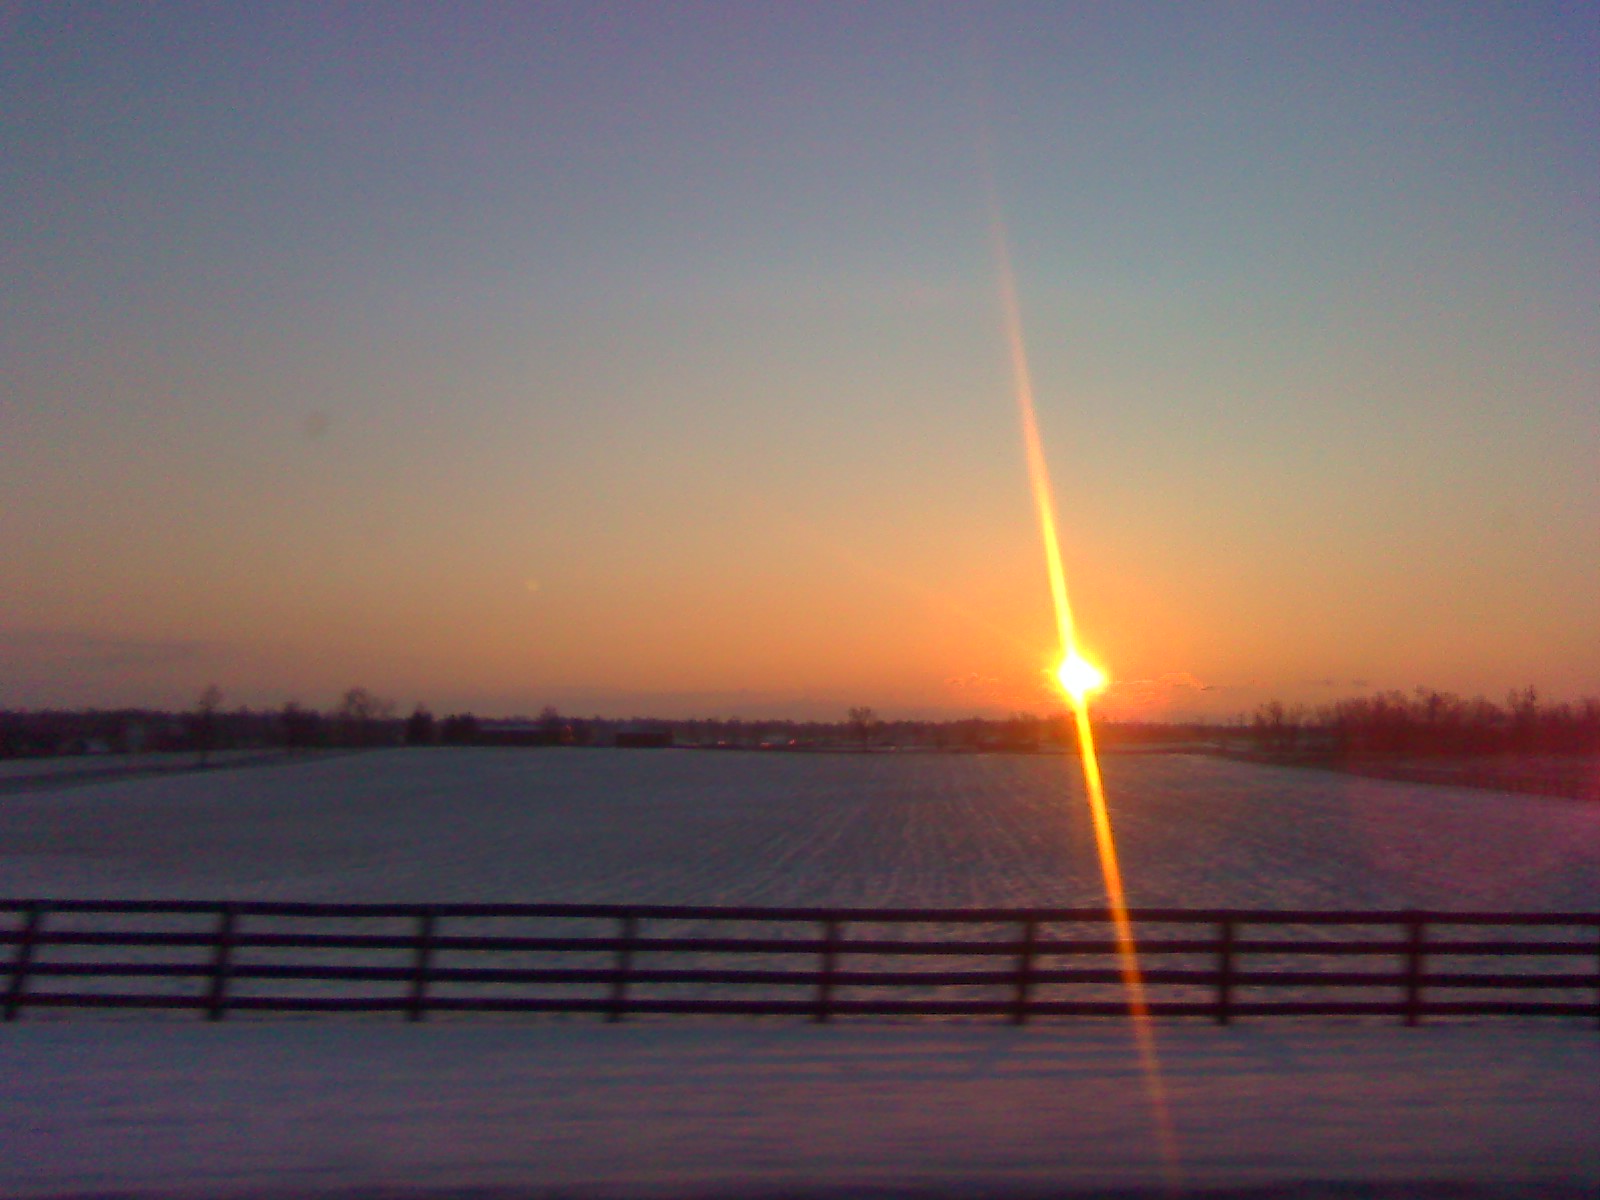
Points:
x=651, y=359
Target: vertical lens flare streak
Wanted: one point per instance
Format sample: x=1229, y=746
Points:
x=1038, y=472
x=1044, y=504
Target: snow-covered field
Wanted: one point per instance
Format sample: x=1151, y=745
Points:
x=710, y=828
x=164, y=1107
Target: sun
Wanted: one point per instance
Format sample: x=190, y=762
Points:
x=1078, y=677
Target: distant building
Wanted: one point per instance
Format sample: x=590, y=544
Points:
x=644, y=739
x=523, y=733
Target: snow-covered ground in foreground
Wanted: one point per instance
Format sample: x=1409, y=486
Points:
x=279, y=1108
x=752, y=1109
x=683, y=827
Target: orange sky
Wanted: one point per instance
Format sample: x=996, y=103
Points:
x=660, y=366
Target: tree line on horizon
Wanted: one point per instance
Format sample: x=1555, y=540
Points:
x=363, y=719
x=1430, y=723
x=360, y=719
x=1426, y=723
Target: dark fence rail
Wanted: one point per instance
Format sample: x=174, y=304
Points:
x=616, y=961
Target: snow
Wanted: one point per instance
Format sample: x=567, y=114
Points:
x=18, y=772
x=707, y=828
x=178, y=1108
x=313, y=1108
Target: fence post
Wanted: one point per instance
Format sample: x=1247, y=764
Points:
x=830, y=957
x=217, y=1001
x=27, y=939
x=619, y=983
x=1225, y=971
x=1414, y=952
x=1030, y=930
x=421, y=953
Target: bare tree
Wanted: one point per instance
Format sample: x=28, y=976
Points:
x=361, y=714
x=203, y=723
x=864, y=724
x=419, y=726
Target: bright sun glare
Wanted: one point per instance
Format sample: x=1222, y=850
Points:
x=1079, y=676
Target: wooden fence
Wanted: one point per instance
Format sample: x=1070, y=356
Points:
x=616, y=961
